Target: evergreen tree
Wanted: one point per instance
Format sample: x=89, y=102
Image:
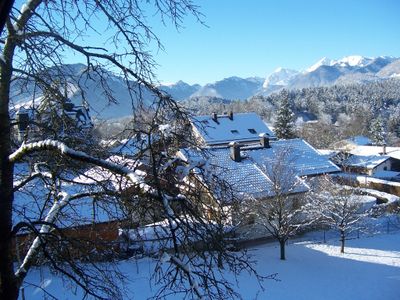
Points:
x=377, y=131
x=284, y=124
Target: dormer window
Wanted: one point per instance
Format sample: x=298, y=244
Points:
x=252, y=131
x=235, y=132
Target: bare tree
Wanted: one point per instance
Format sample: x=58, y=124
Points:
x=340, y=207
x=286, y=211
x=32, y=47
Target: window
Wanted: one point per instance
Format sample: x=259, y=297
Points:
x=235, y=131
x=252, y=131
x=204, y=122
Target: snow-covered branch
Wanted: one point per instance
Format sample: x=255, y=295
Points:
x=186, y=269
x=63, y=149
x=51, y=217
x=27, y=10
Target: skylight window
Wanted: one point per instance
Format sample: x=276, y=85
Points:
x=204, y=121
x=252, y=131
x=235, y=131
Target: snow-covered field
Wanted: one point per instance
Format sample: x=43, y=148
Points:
x=370, y=269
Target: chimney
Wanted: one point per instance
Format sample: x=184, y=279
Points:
x=264, y=140
x=214, y=117
x=22, y=119
x=230, y=115
x=235, y=151
x=138, y=137
x=384, y=149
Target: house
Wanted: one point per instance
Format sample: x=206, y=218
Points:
x=241, y=151
x=217, y=130
x=30, y=120
x=236, y=174
x=92, y=215
x=393, y=152
x=368, y=164
x=369, y=160
x=248, y=168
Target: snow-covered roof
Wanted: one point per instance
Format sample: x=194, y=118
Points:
x=393, y=152
x=132, y=146
x=365, y=161
x=34, y=206
x=32, y=202
x=118, y=182
x=328, y=153
x=252, y=175
x=241, y=127
x=304, y=158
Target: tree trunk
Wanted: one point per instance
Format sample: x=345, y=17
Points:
x=220, y=262
x=8, y=282
x=5, y=7
x=342, y=239
x=282, y=247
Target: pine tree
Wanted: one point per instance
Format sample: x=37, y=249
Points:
x=377, y=131
x=284, y=125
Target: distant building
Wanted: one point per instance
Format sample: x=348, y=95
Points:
x=31, y=121
x=367, y=164
x=376, y=161
x=213, y=130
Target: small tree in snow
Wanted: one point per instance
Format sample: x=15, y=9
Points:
x=287, y=210
x=340, y=208
x=284, y=124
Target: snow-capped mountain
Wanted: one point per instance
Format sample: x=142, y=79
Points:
x=280, y=76
x=231, y=88
x=278, y=79
x=353, y=61
x=349, y=69
x=322, y=62
x=180, y=90
x=348, y=61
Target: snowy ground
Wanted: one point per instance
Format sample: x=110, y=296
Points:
x=370, y=269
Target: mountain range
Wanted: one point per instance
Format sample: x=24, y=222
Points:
x=325, y=72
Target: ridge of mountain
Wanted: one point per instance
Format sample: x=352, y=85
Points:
x=325, y=72
x=348, y=70
x=234, y=88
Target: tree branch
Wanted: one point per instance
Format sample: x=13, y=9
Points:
x=61, y=148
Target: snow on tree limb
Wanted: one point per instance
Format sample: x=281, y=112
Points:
x=63, y=149
x=27, y=10
x=185, y=268
x=50, y=218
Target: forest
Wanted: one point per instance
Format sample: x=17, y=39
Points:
x=338, y=111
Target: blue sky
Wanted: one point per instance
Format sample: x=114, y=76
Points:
x=254, y=37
